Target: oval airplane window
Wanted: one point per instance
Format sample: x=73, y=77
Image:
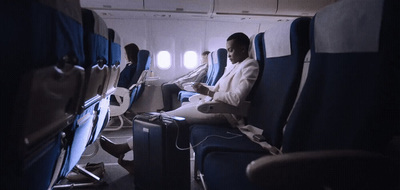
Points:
x=190, y=59
x=164, y=60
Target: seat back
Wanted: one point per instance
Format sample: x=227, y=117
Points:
x=218, y=63
x=143, y=64
x=96, y=51
x=41, y=48
x=85, y=127
x=113, y=65
x=210, y=69
x=114, y=57
x=351, y=97
x=286, y=45
x=256, y=51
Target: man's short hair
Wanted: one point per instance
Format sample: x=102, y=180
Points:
x=205, y=53
x=240, y=38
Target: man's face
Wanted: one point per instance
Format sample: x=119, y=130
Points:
x=235, y=53
x=204, y=59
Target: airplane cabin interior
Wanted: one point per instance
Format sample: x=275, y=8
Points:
x=322, y=110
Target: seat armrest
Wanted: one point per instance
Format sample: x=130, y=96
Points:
x=341, y=169
x=220, y=107
x=122, y=95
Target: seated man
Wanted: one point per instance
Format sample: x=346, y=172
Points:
x=173, y=87
x=232, y=88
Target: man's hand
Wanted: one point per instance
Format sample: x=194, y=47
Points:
x=199, y=88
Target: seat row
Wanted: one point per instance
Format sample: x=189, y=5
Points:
x=324, y=108
x=61, y=64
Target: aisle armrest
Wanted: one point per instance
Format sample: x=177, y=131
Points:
x=220, y=107
x=336, y=169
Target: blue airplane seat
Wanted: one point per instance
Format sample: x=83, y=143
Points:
x=183, y=96
x=144, y=63
x=41, y=47
x=219, y=63
x=114, y=56
x=219, y=60
x=85, y=126
x=114, y=59
x=221, y=162
x=134, y=92
x=256, y=51
x=348, y=109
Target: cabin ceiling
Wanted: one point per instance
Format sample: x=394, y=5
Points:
x=239, y=10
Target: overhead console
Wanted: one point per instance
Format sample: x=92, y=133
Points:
x=207, y=9
x=248, y=7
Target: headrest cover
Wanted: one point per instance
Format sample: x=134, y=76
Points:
x=100, y=26
x=71, y=8
x=252, y=49
x=215, y=57
x=117, y=39
x=113, y=36
x=348, y=26
x=277, y=39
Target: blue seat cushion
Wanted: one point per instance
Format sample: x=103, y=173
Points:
x=212, y=138
x=184, y=96
x=219, y=172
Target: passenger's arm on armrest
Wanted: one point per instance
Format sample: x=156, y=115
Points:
x=197, y=98
x=336, y=169
x=220, y=107
x=121, y=93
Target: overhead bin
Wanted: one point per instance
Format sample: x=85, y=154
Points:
x=107, y=4
x=301, y=7
x=191, y=6
x=248, y=7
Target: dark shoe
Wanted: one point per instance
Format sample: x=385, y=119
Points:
x=116, y=150
x=161, y=110
x=127, y=164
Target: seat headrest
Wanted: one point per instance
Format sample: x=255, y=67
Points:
x=113, y=36
x=348, y=26
x=67, y=7
x=94, y=20
x=252, y=49
x=277, y=39
x=218, y=56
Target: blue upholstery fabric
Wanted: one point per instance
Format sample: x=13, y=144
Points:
x=350, y=100
x=215, y=71
x=84, y=129
x=96, y=52
x=227, y=170
x=219, y=138
x=210, y=69
x=281, y=83
x=272, y=100
x=114, y=60
x=258, y=42
x=113, y=64
x=144, y=62
x=40, y=44
x=219, y=63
